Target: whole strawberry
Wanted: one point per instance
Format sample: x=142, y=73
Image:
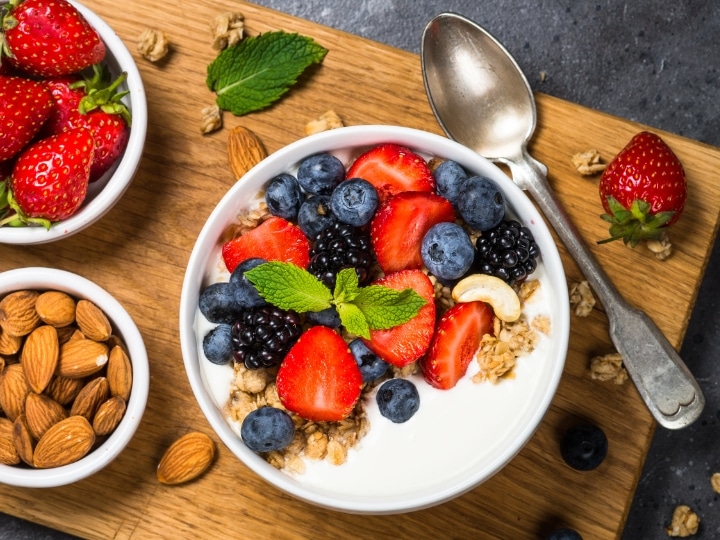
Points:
x=643, y=190
x=24, y=106
x=49, y=38
x=50, y=178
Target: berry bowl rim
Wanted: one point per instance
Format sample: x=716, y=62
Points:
x=104, y=193
x=41, y=278
x=225, y=213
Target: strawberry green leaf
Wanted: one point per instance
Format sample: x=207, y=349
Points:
x=257, y=71
x=289, y=287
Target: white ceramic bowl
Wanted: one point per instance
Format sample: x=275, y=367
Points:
x=41, y=279
x=423, y=462
x=104, y=193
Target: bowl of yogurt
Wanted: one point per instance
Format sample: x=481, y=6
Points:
x=457, y=434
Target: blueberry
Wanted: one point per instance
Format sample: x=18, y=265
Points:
x=267, y=429
x=584, y=447
x=217, y=344
x=246, y=295
x=315, y=215
x=354, y=202
x=218, y=303
x=449, y=178
x=371, y=365
x=447, y=251
x=327, y=317
x=564, y=534
x=320, y=173
x=398, y=400
x=283, y=196
x=481, y=203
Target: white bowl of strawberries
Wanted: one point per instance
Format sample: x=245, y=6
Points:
x=73, y=120
x=374, y=319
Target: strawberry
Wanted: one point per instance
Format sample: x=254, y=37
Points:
x=319, y=378
x=400, y=224
x=275, y=239
x=643, y=190
x=392, y=169
x=456, y=340
x=50, y=178
x=49, y=38
x=24, y=106
x=403, y=344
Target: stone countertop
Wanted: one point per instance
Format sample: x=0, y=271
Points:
x=654, y=62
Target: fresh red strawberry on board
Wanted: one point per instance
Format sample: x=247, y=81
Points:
x=400, y=224
x=319, y=378
x=392, y=169
x=643, y=190
x=275, y=239
x=24, y=106
x=457, y=339
x=404, y=344
x=50, y=178
x=49, y=38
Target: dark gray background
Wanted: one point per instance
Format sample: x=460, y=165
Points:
x=654, y=62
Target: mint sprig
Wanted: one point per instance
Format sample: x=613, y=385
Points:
x=258, y=70
x=361, y=309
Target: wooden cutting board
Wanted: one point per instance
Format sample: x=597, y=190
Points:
x=139, y=251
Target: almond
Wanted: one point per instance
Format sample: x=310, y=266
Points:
x=92, y=321
x=56, y=308
x=66, y=442
x=41, y=413
x=64, y=389
x=18, y=316
x=39, y=357
x=81, y=357
x=245, y=150
x=90, y=397
x=119, y=373
x=23, y=440
x=8, y=453
x=13, y=391
x=108, y=416
x=9, y=344
x=186, y=459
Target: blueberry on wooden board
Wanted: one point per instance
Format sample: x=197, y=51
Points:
x=584, y=447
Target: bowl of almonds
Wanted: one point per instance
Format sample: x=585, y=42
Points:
x=74, y=377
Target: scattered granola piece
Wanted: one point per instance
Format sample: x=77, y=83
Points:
x=715, y=482
x=608, y=367
x=211, y=119
x=582, y=299
x=588, y=163
x=662, y=248
x=227, y=29
x=327, y=121
x=153, y=44
x=684, y=522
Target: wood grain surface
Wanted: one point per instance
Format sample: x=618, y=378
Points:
x=138, y=252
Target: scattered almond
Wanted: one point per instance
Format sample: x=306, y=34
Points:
x=245, y=150
x=186, y=459
x=23, y=440
x=13, y=391
x=55, y=308
x=119, y=373
x=92, y=321
x=108, y=416
x=41, y=413
x=8, y=453
x=90, y=397
x=64, y=443
x=17, y=313
x=39, y=357
x=81, y=357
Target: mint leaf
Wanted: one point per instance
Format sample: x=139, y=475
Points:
x=258, y=70
x=353, y=319
x=289, y=287
x=347, y=286
x=384, y=308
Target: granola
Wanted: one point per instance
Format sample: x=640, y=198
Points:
x=684, y=523
x=608, y=367
x=582, y=299
x=588, y=163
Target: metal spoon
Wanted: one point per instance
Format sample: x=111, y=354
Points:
x=482, y=100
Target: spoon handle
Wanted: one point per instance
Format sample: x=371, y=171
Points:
x=670, y=391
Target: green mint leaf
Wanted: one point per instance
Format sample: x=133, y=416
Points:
x=353, y=319
x=258, y=70
x=347, y=286
x=385, y=308
x=289, y=287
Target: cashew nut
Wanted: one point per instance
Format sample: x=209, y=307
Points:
x=492, y=290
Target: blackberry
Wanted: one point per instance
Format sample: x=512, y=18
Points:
x=507, y=251
x=261, y=337
x=341, y=246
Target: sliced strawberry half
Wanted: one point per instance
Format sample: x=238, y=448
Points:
x=400, y=224
x=319, y=378
x=275, y=239
x=392, y=169
x=404, y=344
x=456, y=341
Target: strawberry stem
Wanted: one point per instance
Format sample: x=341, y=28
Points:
x=634, y=224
